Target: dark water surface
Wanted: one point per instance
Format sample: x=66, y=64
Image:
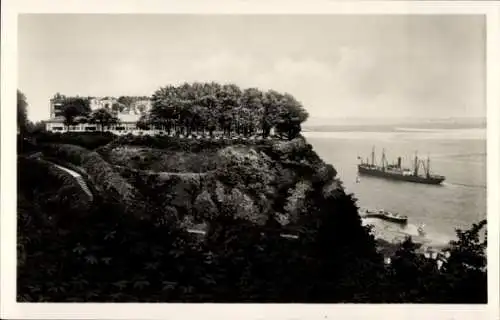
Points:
x=458, y=154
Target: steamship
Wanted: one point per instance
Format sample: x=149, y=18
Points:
x=395, y=171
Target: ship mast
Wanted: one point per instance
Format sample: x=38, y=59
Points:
x=428, y=169
x=415, y=166
x=383, y=159
x=373, y=155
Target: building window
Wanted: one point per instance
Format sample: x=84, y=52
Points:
x=90, y=128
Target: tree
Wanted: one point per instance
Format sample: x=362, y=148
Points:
x=271, y=103
x=125, y=100
x=22, y=113
x=144, y=122
x=117, y=107
x=461, y=278
x=103, y=117
x=228, y=101
x=141, y=108
x=165, y=106
x=199, y=107
x=74, y=108
x=469, y=250
x=208, y=104
x=289, y=115
x=37, y=127
x=252, y=109
x=466, y=269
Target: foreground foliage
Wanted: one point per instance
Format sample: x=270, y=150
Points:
x=105, y=251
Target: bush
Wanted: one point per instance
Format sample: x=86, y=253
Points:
x=204, y=207
x=112, y=186
x=244, y=169
x=183, y=144
x=160, y=160
x=87, y=140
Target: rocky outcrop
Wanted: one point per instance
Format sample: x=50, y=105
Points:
x=273, y=182
x=255, y=183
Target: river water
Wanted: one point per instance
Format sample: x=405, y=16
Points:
x=458, y=154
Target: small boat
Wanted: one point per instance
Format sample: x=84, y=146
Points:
x=385, y=215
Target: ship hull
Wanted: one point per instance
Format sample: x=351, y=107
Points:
x=398, y=176
x=402, y=221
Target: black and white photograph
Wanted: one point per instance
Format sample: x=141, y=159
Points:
x=251, y=159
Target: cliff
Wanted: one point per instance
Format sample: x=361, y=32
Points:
x=149, y=191
x=263, y=183
x=131, y=242
x=258, y=183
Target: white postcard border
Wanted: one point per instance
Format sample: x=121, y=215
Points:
x=12, y=310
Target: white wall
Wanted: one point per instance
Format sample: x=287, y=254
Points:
x=60, y=127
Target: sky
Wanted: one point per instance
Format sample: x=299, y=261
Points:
x=338, y=66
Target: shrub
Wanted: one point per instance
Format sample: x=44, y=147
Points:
x=88, y=140
x=183, y=144
x=114, y=188
x=245, y=169
x=162, y=160
x=296, y=201
x=204, y=207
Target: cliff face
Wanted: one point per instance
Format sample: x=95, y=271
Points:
x=197, y=184
x=263, y=183
x=259, y=183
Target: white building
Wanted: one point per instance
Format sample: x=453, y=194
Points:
x=127, y=124
x=127, y=118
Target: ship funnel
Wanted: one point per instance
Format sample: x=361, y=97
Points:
x=399, y=162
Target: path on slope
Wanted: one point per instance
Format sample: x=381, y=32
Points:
x=79, y=179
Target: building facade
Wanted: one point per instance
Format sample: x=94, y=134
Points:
x=125, y=125
x=127, y=115
x=56, y=104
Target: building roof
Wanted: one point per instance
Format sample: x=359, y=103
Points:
x=125, y=117
x=58, y=119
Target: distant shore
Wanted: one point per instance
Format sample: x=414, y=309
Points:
x=360, y=121
x=391, y=128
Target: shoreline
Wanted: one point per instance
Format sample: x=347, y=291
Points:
x=386, y=236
